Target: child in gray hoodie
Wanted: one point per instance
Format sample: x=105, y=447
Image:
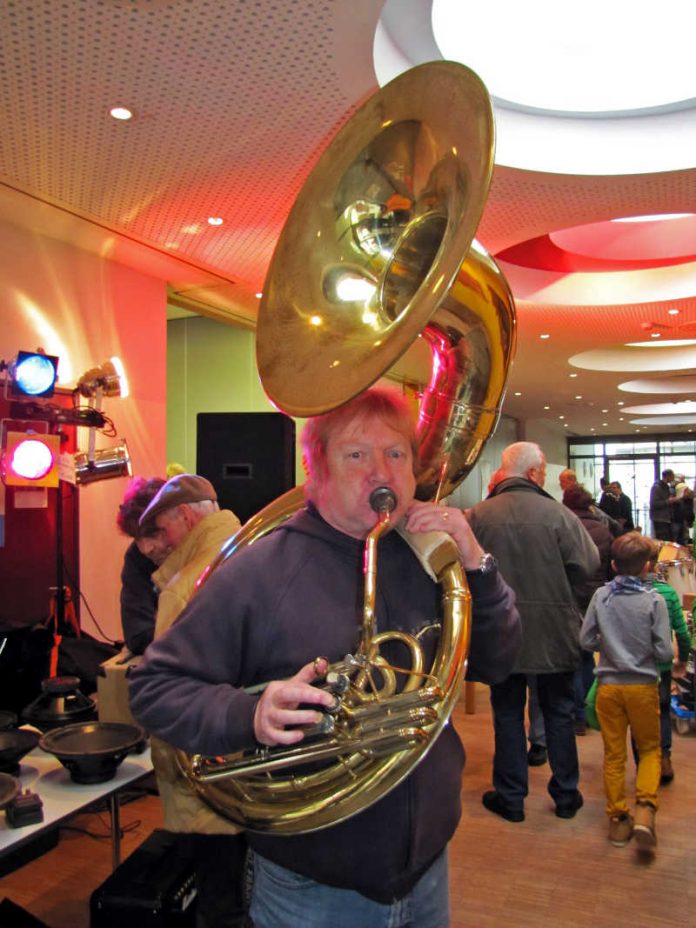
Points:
x=628, y=623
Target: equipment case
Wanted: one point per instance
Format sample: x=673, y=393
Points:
x=153, y=887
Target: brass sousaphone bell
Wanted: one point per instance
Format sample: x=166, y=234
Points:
x=378, y=251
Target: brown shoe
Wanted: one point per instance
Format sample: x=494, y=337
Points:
x=666, y=769
x=644, y=827
x=620, y=829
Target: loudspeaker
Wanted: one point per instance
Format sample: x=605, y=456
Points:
x=155, y=887
x=249, y=457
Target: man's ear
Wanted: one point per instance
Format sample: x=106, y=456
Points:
x=613, y=566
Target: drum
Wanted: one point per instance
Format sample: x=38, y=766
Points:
x=670, y=551
x=680, y=574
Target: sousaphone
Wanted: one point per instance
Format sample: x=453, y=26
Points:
x=376, y=253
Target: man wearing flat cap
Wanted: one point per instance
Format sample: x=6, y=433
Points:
x=184, y=525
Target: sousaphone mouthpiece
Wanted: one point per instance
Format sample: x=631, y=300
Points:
x=383, y=499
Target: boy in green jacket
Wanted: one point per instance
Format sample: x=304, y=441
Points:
x=681, y=632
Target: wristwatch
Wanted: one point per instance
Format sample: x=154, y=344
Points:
x=487, y=563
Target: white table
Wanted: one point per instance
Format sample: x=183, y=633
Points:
x=44, y=774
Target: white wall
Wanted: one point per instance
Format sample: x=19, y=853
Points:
x=85, y=308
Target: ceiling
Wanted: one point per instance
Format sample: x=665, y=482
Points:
x=234, y=101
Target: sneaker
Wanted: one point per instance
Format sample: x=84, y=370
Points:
x=666, y=769
x=620, y=829
x=644, y=827
x=569, y=807
x=537, y=755
x=493, y=802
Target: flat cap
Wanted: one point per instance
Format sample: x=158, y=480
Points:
x=183, y=488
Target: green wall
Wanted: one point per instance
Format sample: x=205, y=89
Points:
x=211, y=367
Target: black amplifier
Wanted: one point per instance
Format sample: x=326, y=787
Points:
x=154, y=886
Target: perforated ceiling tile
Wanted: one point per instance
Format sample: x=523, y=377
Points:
x=230, y=99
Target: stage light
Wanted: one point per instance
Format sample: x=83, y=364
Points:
x=30, y=459
x=103, y=464
x=32, y=373
x=109, y=379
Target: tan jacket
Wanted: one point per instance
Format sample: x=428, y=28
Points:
x=176, y=579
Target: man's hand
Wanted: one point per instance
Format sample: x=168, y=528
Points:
x=277, y=708
x=431, y=517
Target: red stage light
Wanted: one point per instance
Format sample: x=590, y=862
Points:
x=31, y=460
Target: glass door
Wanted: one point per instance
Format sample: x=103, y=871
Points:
x=636, y=476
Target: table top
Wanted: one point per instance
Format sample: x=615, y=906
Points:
x=44, y=774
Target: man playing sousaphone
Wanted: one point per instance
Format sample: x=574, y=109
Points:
x=274, y=607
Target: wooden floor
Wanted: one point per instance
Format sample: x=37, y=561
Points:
x=542, y=872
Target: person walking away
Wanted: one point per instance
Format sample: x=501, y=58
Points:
x=627, y=623
x=579, y=501
x=540, y=546
x=667, y=669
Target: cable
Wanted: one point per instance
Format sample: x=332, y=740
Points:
x=83, y=599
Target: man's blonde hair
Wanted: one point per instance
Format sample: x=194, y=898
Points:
x=376, y=403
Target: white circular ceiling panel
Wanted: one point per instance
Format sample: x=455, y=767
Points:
x=681, y=384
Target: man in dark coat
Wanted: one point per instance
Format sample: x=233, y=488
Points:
x=662, y=501
x=542, y=549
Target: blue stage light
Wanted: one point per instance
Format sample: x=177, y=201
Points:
x=34, y=374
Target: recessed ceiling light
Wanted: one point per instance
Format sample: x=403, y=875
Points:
x=578, y=397
x=572, y=375
x=657, y=217
x=655, y=335
x=561, y=417
x=605, y=410
x=605, y=423
x=673, y=312
x=215, y=221
x=193, y=229
x=620, y=403
x=259, y=295
x=547, y=407
x=545, y=335
x=121, y=113
x=517, y=393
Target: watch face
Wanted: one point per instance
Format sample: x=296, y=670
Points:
x=488, y=563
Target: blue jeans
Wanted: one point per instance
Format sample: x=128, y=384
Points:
x=283, y=899
x=584, y=678
x=536, y=734
x=556, y=693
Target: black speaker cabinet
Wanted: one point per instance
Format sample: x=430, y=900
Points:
x=249, y=457
x=155, y=886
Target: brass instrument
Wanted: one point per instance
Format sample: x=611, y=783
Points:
x=377, y=251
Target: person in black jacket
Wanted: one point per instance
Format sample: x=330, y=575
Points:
x=615, y=503
x=142, y=557
x=579, y=501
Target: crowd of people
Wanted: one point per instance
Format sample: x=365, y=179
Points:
x=236, y=665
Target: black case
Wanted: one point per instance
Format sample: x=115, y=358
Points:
x=154, y=886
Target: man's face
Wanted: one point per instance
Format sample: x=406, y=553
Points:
x=153, y=547
x=172, y=526
x=362, y=455
x=566, y=482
